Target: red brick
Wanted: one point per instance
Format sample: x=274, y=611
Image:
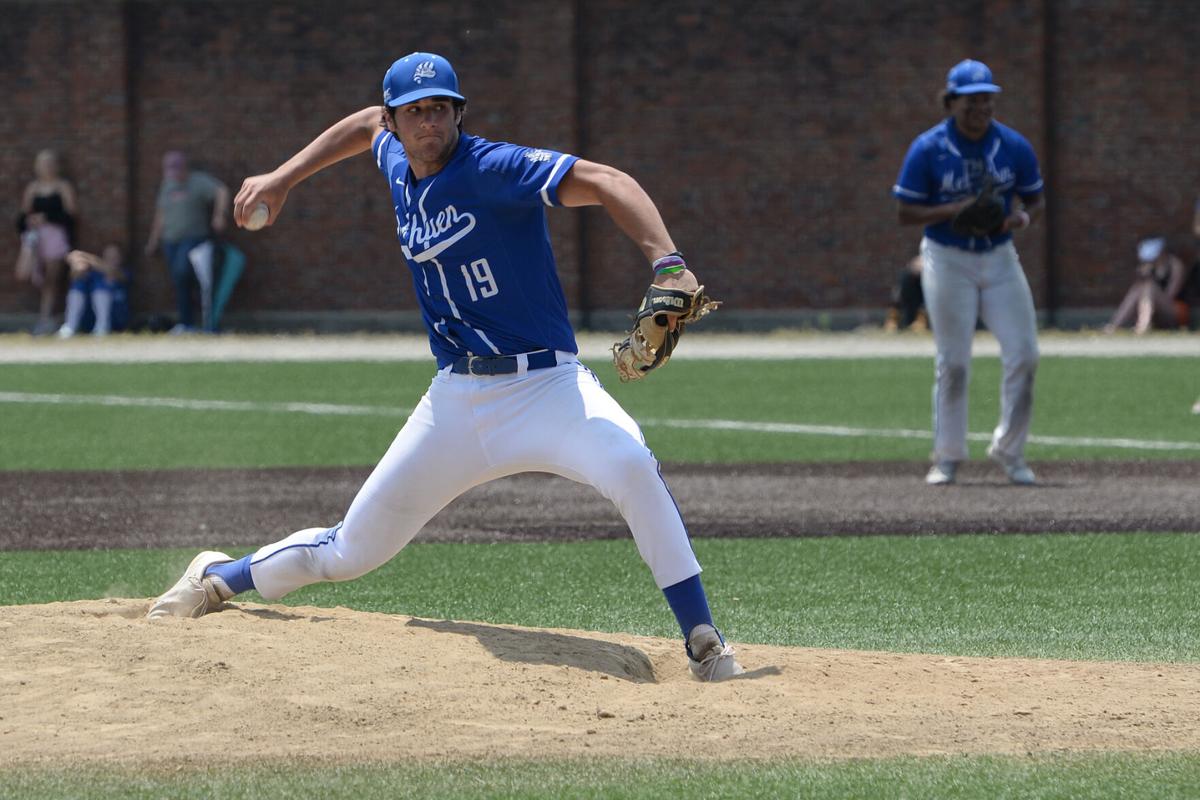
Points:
x=769, y=133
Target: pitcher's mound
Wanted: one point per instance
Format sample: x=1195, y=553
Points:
x=95, y=681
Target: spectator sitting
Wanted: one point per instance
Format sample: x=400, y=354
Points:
x=103, y=280
x=46, y=225
x=908, y=299
x=1150, y=302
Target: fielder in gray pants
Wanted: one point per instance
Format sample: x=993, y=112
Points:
x=972, y=275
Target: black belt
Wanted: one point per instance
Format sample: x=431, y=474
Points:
x=502, y=365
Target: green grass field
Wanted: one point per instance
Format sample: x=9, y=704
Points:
x=1090, y=777
x=1100, y=597
x=1121, y=597
x=1145, y=399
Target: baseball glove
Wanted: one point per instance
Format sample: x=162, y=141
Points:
x=651, y=342
x=984, y=217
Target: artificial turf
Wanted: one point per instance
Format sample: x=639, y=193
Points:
x=1099, y=596
x=1141, y=399
x=1102, y=776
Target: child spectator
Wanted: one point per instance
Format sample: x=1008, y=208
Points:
x=104, y=281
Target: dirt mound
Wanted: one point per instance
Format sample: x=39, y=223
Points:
x=94, y=681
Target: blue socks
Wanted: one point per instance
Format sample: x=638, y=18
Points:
x=688, y=601
x=236, y=574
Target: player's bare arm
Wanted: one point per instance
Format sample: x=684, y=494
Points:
x=347, y=137
x=1026, y=213
x=592, y=184
x=916, y=214
x=1021, y=217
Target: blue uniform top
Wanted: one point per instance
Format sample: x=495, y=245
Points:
x=942, y=166
x=476, y=241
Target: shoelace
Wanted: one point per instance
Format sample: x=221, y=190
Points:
x=708, y=665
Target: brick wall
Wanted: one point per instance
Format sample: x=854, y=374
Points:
x=1128, y=136
x=62, y=77
x=768, y=131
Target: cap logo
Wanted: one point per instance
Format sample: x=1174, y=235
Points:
x=387, y=94
x=977, y=75
x=424, y=70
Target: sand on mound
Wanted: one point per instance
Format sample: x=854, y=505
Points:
x=94, y=681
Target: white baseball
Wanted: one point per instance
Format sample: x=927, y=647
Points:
x=258, y=217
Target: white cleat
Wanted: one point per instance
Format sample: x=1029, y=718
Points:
x=710, y=658
x=194, y=595
x=1017, y=470
x=942, y=473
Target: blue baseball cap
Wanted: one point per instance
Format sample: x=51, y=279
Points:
x=419, y=75
x=970, y=77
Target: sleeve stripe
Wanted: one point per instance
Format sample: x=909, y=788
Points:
x=900, y=190
x=1033, y=187
x=379, y=140
x=544, y=191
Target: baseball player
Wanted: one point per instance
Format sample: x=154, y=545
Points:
x=510, y=394
x=971, y=182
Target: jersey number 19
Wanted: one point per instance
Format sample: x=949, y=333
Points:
x=480, y=272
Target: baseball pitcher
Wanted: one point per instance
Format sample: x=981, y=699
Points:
x=510, y=394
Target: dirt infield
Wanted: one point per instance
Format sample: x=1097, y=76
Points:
x=187, y=508
x=95, y=682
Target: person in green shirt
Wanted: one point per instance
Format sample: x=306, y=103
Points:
x=192, y=207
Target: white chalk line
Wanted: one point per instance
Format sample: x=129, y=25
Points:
x=187, y=404
x=788, y=428
x=902, y=433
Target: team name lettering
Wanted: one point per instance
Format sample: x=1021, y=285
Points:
x=420, y=235
x=956, y=183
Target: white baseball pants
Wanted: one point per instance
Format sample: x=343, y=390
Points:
x=961, y=287
x=468, y=430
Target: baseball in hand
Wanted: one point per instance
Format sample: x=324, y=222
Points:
x=258, y=217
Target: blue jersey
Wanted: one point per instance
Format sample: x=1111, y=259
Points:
x=476, y=241
x=942, y=166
